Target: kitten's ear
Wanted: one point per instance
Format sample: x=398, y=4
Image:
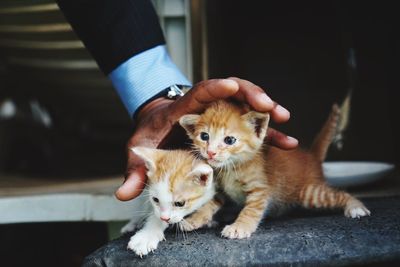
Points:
x=203, y=174
x=259, y=122
x=148, y=155
x=188, y=122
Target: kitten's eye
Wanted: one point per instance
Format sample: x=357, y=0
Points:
x=179, y=204
x=230, y=140
x=155, y=199
x=204, y=136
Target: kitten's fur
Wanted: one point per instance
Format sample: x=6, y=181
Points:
x=257, y=175
x=177, y=185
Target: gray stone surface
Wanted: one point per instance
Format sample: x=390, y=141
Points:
x=301, y=238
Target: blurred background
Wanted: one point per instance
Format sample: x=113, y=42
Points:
x=61, y=122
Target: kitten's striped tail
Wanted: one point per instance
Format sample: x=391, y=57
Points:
x=324, y=196
x=332, y=131
x=325, y=136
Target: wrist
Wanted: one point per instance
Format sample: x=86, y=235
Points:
x=151, y=105
x=171, y=93
x=139, y=79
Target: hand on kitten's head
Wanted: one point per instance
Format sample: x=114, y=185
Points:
x=156, y=119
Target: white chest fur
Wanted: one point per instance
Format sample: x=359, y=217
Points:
x=229, y=182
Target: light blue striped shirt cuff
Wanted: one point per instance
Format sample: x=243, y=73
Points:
x=144, y=75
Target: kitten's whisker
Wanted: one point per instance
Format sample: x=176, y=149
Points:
x=184, y=234
x=147, y=185
x=225, y=169
x=145, y=194
x=193, y=229
x=177, y=229
x=148, y=201
x=195, y=232
x=233, y=167
x=141, y=212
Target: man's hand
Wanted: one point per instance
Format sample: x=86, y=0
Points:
x=156, y=119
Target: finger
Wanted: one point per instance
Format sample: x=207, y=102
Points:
x=279, y=114
x=203, y=94
x=135, y=176
x=253, y=94
x=133, y=185
x=281, y=140
x=259, y=100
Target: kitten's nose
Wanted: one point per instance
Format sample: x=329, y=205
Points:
x=164, y=218
x=211, y=154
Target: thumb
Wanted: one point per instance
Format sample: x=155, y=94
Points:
x=135, y=178
x=133, y=185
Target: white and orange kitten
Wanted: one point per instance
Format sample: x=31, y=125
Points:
x=231, y=138
x=177, y=185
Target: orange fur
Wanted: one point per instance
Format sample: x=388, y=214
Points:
x=257, y=175
x=325, y=136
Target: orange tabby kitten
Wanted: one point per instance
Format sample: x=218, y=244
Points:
x=231, y=139
x=178, y=184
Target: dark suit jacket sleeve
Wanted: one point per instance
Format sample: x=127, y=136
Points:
x=113, y=30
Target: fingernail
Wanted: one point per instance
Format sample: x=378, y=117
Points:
x=264, y=98
x=282, y=110
x=292, y=139
x=231, y=83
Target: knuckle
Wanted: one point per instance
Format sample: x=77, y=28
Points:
x=256, y=88
x=201, y=84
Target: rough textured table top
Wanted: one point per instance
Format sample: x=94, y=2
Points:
x=298, y=239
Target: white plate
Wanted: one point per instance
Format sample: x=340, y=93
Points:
x=351, y=173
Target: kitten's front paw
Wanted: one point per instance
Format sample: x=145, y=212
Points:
x=194, y=222
x=237, y=231
x=143, y=243
x=357, y=212
x=186, y=226
x=356, y=209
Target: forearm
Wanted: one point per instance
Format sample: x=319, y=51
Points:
x=113, y=31
x=126, y=40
